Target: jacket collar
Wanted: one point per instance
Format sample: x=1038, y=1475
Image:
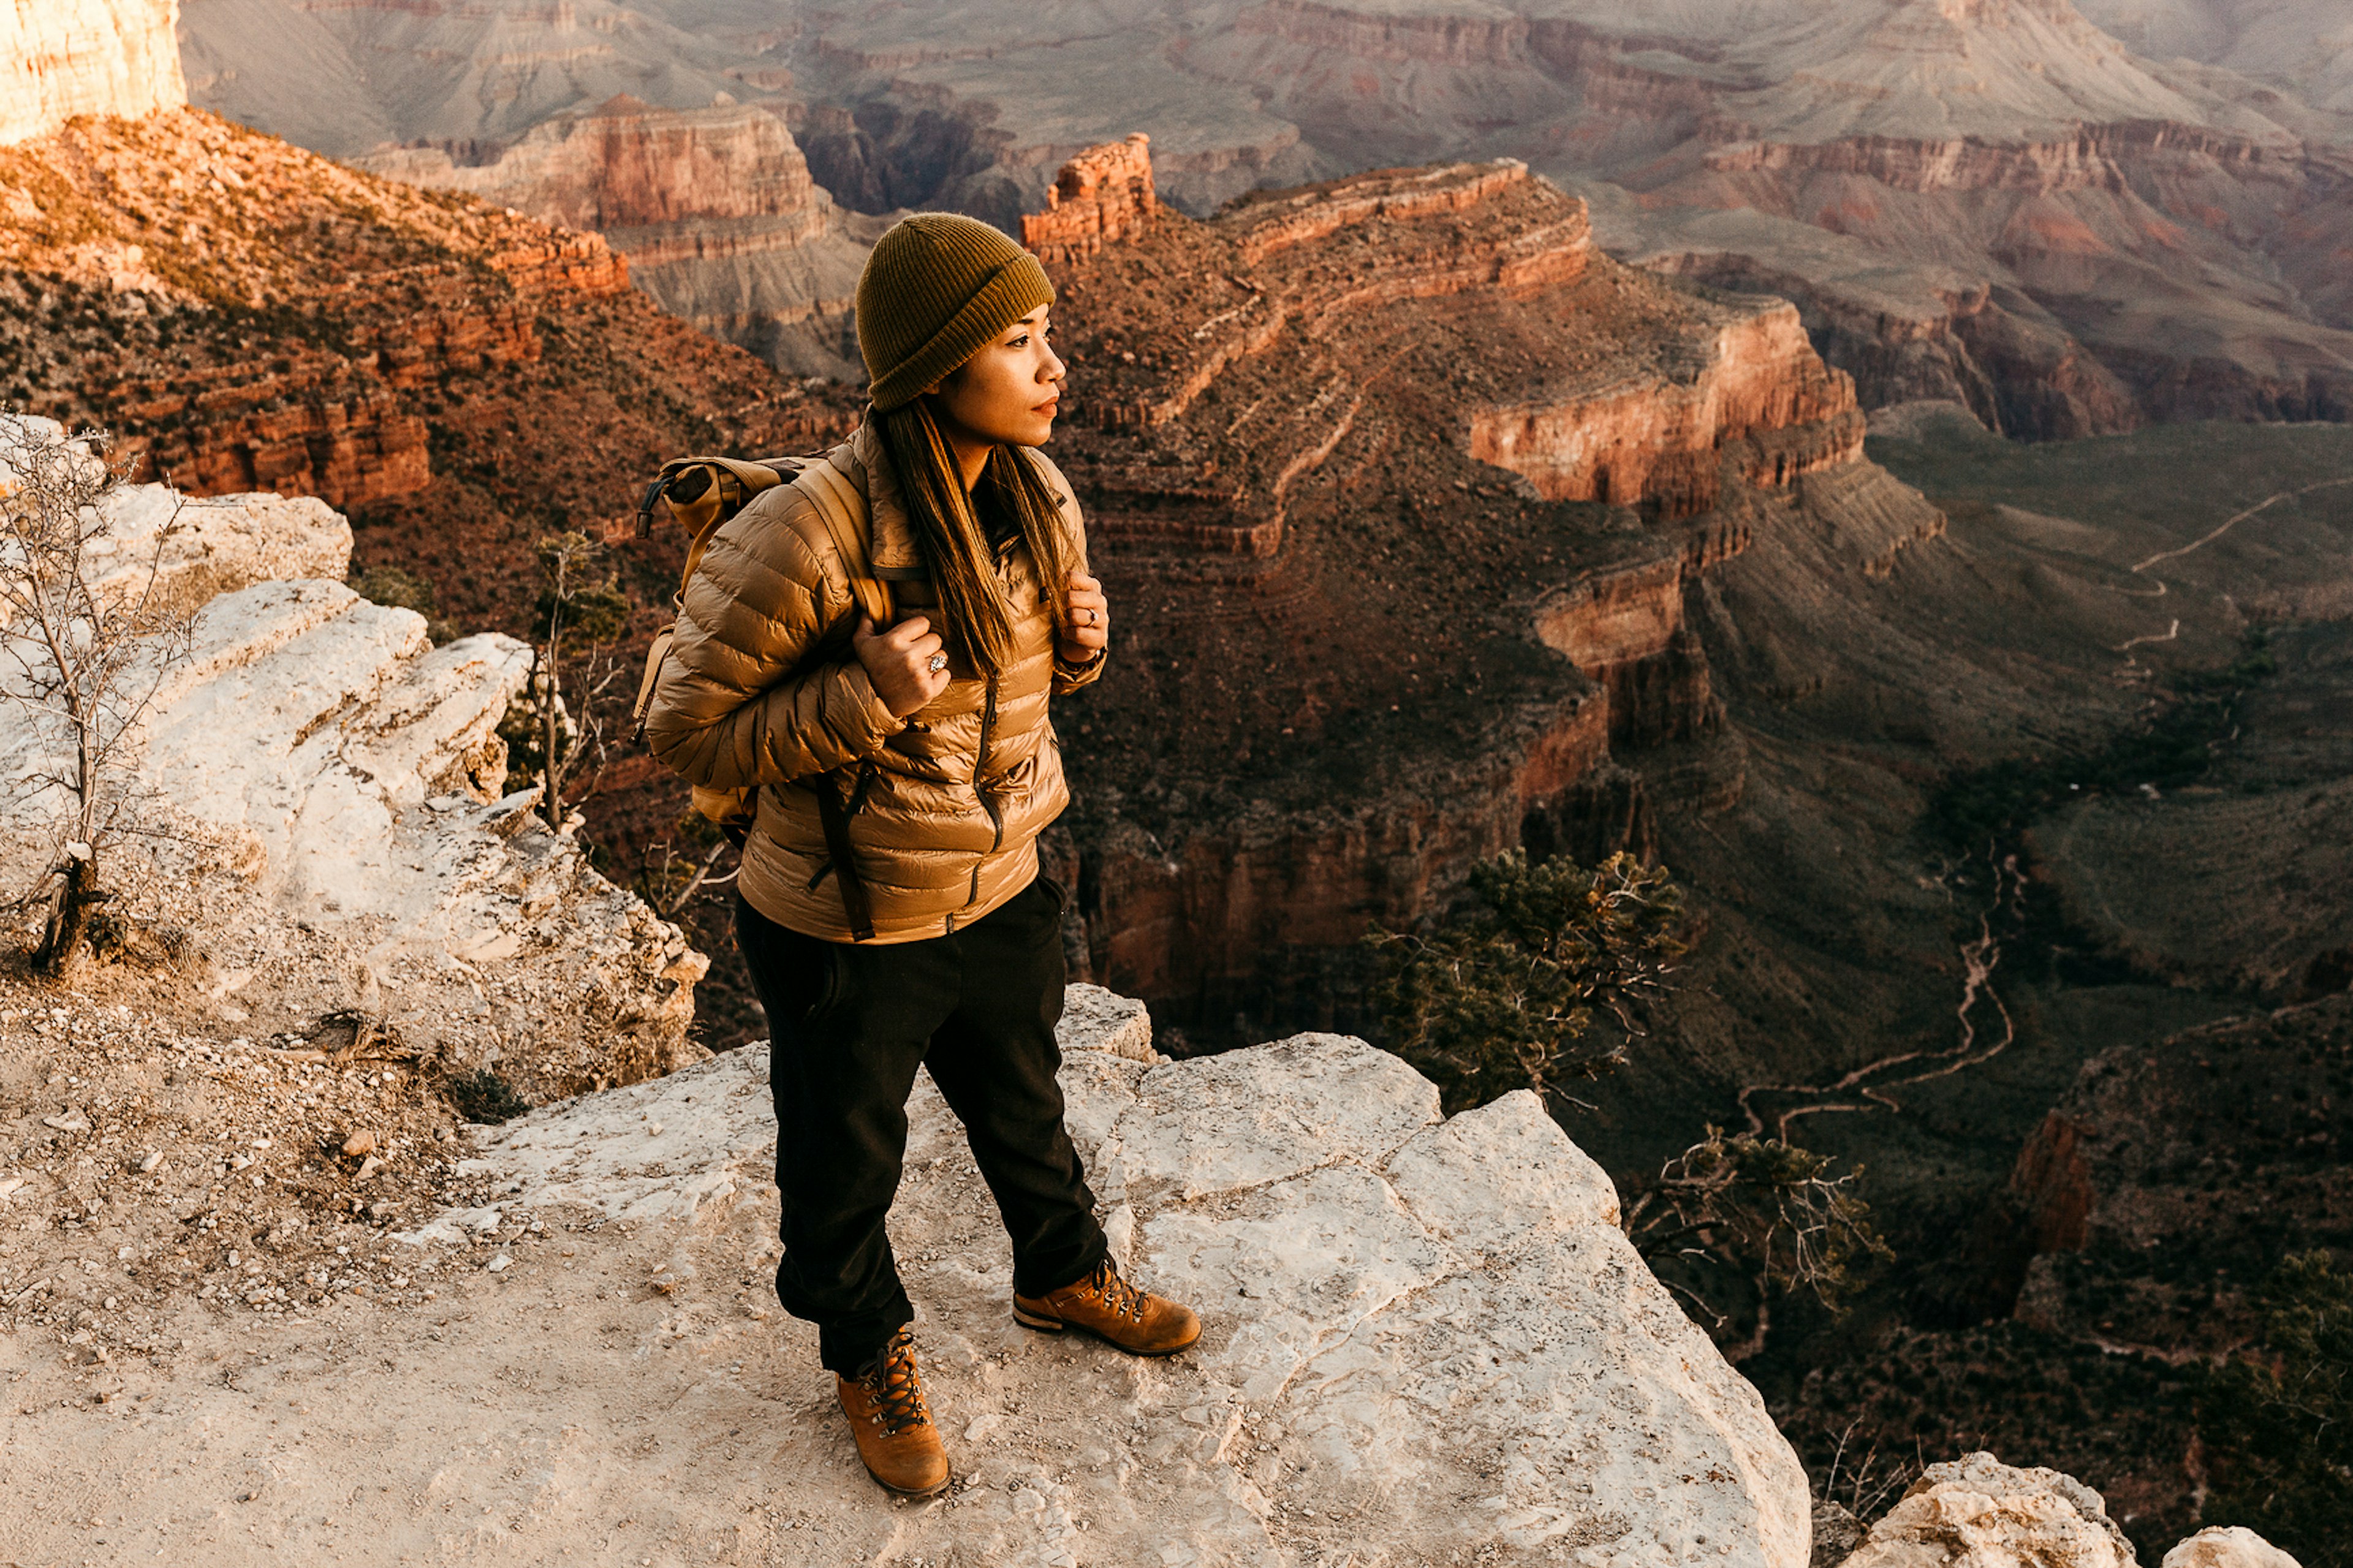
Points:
x=891, y=533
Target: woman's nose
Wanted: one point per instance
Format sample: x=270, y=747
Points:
x=1052, y=367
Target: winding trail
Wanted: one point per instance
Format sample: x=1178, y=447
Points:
x=1875, y=1083
x=2141, y=568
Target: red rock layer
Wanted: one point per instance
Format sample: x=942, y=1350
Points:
x=246, y=315
x=1639, y=441
x=1355, y=649
x=1103, y=196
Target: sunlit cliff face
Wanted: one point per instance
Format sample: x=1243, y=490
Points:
x=60, y=58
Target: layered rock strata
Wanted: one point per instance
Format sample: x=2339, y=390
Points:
x=714, y=209
x=60, y=58
x=328, y=785
x=240, y=313
x=1425, y=1338
x=1103, y=194
x=1398, y=481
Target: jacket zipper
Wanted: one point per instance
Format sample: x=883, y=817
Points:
x=980, y=761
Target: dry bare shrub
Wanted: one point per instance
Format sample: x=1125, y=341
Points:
x=87, y=642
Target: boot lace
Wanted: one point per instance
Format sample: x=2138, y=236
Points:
x=894, y=1387
x=1121, y=1298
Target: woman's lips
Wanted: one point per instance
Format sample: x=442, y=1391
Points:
x=1049, y=406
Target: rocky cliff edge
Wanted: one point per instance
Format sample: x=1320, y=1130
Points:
x=324, y=824
x=261, y=1282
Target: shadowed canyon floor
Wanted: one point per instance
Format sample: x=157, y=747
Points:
x=2152, y=933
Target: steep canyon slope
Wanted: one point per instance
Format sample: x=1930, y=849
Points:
x=1399, y=480
x=463, y=379
x=2071, y=230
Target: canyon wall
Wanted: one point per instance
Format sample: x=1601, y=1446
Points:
x=60, y=58
x=714, y=209
x=1646, y=442
x=1341, y=448
x=2086, y=239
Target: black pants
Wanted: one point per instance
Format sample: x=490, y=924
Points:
x=848, y=1023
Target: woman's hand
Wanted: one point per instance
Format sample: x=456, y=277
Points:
x=1090, y=619
x=899, y=662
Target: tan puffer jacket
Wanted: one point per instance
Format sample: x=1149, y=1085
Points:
x=761, y=688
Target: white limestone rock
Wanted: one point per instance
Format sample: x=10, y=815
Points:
x=1223, y=1124
x=1106, y=1021
x=63, y=58
x=1978, y=1512
x=349, y=778
x=1425, y=1340
x=2227, y=1546
x=212, y=545
x=1492, y=1178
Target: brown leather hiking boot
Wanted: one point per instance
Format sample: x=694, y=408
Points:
x=896, y=1439
x=1111, y=1309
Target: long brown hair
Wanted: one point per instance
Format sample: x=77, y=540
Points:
x=974, y=622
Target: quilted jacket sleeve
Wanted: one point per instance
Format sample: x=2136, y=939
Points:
x=732, y=707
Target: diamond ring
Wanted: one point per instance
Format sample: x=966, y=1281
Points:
x=939, y=662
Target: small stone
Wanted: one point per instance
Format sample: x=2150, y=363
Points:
x=2227, y=1546
x=68, y=1122
x=498, y=1263
x=147, y=1166
x=368, y=1167
x=360, y=1144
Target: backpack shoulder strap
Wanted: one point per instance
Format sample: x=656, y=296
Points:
x=842, y=507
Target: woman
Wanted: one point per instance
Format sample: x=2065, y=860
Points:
x=891, y=907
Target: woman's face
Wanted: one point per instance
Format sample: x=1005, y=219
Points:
x=1009, y=391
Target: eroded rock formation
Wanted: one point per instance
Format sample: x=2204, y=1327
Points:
x=60, y=58
x=1978, y=1512
x=1102, y=195
x=714, y=209
x=1398, y=481
x=327, y=787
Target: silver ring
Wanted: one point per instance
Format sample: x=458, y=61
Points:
x=939, y=661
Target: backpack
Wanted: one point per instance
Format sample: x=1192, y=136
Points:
x=703, y=493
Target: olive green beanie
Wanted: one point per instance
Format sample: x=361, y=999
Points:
x=936, y=288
